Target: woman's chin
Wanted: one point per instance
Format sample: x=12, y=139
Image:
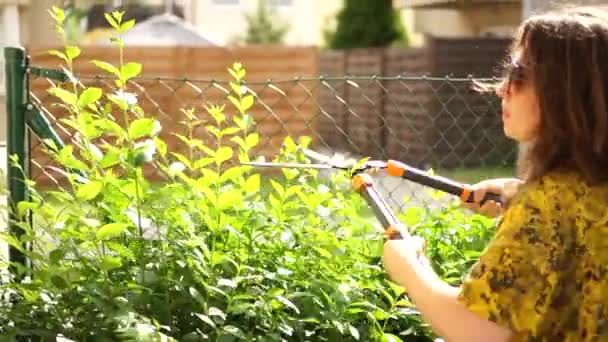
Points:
x=507, y=131
x=510, y=134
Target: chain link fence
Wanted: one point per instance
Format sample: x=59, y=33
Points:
x=436, y=123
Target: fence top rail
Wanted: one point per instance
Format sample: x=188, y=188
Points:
x=62, y=76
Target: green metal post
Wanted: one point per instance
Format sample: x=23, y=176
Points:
x=16, y=97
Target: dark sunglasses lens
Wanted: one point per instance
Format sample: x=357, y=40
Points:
x=517, y=73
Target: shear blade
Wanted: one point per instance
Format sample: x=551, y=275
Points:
x=336, y=161
x=289, y=165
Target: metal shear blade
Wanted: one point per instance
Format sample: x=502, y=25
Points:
x=289, y=165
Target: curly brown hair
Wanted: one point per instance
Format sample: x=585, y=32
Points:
x=566, y=54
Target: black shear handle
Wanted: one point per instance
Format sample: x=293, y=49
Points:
x=466, y=194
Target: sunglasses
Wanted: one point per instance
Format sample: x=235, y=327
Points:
x=516, y=73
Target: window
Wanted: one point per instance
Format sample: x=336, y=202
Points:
x=226, y=2
x=281, y=3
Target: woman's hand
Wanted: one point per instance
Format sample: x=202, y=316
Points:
x=505, y=187
x=398, y=254
x=436, y=300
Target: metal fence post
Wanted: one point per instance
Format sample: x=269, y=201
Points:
x=16, y=97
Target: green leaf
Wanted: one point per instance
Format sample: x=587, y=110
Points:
x=130, y=70
x=213, y=311
x=228, y=199
x=120, y=102
x=230, y=130
x=223, y=154
x=59, y=282
x=390, y=338
x=206, y=149
x=109, y=127
x=56, y=256
x=205, y=319
x=161, y=146
x=183, y=159
x=72, y=52
x=239, y=141
x=353, y=332
x=239, y=122
x=246, y=103
x=196, y=295
x=111, y=21
x=323, y=252
x=305, y=141
x=58, y=54
x=236, y=88
x=89, y=96
x=66, y=158
x=217, y=112
x=381, y=314
x=231, y=173
x=232, y=73
x=111, y=158
x=184, y=139
x=57, y=14
x=235, y=102
x=290, y=145
x=288, y=303
x=111, y=230
x=203, y=162
x=230, y=330
x=89, y=190
x=118, y=16
x=209, y=195
x=141, y=128
x=127, y=25
x=252, y=139
x=24, y=206
x=227, y=282
x=278, y=188
x=107, y=67
x=214, y=131
x=109, y=262
x=63, y=95
x=253, y=183
x=274, y=202
x=12, y=241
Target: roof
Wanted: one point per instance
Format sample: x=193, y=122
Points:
x=160, y=30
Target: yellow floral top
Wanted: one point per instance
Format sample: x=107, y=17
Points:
x=544, y=275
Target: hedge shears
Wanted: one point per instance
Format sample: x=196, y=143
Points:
x=364, y=184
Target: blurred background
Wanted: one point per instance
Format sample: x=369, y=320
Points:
x=386, y=79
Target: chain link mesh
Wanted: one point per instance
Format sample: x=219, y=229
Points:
x=438, y=123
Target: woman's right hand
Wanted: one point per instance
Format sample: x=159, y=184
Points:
x=505, y=187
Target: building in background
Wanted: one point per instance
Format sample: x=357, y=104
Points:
x=533, y=6
x=465, y=18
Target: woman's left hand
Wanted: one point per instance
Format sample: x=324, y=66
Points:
x=403, y=253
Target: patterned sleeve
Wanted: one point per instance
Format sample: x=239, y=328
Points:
x=514, y=279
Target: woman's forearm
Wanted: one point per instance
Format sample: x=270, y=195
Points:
x=438, y=304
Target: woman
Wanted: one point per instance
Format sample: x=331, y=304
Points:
x=544, y=275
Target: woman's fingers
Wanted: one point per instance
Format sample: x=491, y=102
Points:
x=490, y=207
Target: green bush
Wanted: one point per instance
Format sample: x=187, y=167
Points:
x=207, y=255
x=364, y=23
